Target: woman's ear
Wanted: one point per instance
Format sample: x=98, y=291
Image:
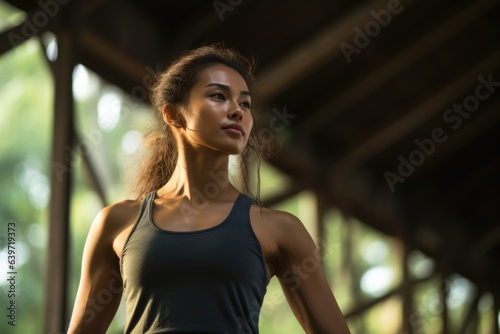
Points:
x=171, y=116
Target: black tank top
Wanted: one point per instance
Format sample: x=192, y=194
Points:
x=206, y=281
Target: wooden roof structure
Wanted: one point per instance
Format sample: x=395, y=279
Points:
x=391, y=108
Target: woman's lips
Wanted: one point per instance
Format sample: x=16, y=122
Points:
x=234, y=131
x=234, y=128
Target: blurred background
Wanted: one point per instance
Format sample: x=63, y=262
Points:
x=384, y=115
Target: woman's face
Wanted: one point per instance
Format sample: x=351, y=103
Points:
x=218, y=112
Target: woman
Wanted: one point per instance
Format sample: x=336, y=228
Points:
x=195, y=255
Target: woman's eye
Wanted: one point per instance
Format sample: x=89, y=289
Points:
x=245, y=105
x=218, y=96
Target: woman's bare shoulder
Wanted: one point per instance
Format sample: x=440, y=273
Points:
x=114, y=218
x=278, y=222
x=277, y=217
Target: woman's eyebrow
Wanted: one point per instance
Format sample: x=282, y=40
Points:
x=226, y=88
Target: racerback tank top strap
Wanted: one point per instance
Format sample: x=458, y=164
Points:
x=144, y=204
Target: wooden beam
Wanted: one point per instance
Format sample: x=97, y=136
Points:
x=89, y=6
x=196, y=26
x=397, y=130
x=121, y=66
x=483, y=244
x=360, y=309
x=30, y=27
x=307, y=174
x=474, y=181
x=92, y=177
x=9, y=38
x=24, y=5
x=314, y=53
x=470, y=129
x=365, y=210
x=298, y=164
x=394, y=66
x=48, y=62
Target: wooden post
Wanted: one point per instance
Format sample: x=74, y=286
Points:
x=444, y=303
x=320, y=222
x=406, y=291
x=61, y=168
x=470, y=322
x=496, y=311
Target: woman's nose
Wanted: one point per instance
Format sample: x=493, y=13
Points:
x=236, y=112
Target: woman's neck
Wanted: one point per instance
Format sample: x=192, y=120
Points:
x=200, y=174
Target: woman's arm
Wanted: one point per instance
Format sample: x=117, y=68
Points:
x=100, y=288
x=301, y=276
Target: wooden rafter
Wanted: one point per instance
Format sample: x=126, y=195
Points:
x=412, y=120
x=361, y=89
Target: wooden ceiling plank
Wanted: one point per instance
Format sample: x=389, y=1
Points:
x=470, y=130
x=89, y=6
x=412, y=120
x=476, y=179
x=393, y=67
x=314, y=53
x=195, y=28
x=25, y=5
x=484, y=244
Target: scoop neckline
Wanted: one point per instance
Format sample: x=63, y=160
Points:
x=208, y=229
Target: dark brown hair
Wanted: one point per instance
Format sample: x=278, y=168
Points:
x=172, y=87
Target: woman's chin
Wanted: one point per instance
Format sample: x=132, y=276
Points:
x=234, y=152
x=231, y=149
